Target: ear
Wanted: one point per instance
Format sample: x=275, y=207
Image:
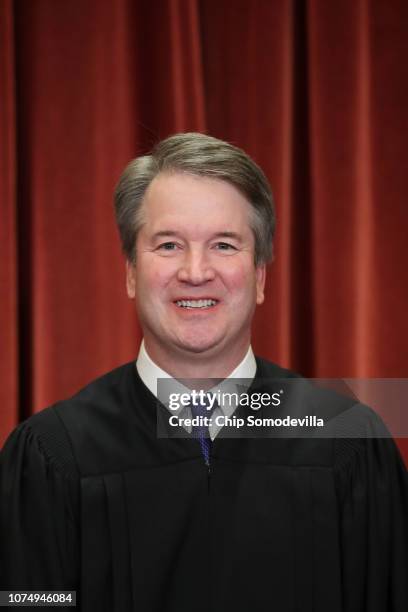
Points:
x=130, y=280
x=260, y=283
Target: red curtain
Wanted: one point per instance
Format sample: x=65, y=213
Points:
x=315, y=91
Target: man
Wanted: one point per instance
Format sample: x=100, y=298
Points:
x=94, y=500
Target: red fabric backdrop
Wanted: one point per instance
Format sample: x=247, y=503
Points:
x=315, y=91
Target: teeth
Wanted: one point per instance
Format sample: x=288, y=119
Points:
x=196, y=303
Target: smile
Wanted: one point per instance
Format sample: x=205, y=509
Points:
x=196, y=303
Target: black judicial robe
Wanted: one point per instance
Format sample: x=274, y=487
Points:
x=92, y=500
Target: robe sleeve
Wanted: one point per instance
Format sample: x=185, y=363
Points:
x=38, y=512
x=372, y=488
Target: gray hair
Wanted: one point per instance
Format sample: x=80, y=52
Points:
x=200, y=155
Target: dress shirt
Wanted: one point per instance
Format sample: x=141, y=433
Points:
x=150, y=372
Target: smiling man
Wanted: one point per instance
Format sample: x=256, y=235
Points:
x=93, y=499
x=194, y=278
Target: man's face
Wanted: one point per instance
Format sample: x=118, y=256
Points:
x=194, y=280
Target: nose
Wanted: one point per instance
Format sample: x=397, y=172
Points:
x=195, y=268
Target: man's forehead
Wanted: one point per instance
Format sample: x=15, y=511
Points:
x=178, y=186
x=195, y=209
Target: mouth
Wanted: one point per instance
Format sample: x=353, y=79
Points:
x=196, y=304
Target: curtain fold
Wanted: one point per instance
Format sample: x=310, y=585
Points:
x=9, y=395
x=315, y=91
x=341, y=175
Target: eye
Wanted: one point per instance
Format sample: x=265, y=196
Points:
x=167, y=246
x=225, y=246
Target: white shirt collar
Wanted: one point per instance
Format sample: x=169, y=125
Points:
x=149, y=371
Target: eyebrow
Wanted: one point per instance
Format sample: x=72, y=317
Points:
x=169, y=232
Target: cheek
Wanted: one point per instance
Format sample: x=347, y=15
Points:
x=240, y=279
x=153, y=275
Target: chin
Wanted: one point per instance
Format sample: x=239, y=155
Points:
x=197, y=348
x=198, y=345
